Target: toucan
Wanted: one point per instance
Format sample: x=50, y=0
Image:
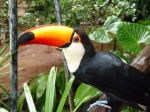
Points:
x=103, y=70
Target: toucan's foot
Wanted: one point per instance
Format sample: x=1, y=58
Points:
x=99, y=103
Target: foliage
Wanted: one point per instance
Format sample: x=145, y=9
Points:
x=100, y=32
x=83, y=94
x=4, y=94
x=130, y=36
x=46, y=91
x=49, y=96
x=75, y=11
x=4, y=58
x=29, y=98
x=4, y=17
x=38, y=12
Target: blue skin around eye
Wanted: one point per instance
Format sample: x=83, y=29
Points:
x=76, y=39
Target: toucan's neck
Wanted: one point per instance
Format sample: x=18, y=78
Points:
x=77, y=53
x=74, y=54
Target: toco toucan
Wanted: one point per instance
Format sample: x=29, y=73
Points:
x=102, y=70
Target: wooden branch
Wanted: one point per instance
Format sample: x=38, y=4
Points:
x=141, y=62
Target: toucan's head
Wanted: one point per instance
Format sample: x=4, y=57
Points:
x=74, y=42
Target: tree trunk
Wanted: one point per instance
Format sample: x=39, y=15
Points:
x=142, y=63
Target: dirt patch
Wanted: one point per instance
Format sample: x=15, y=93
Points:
x=32, y=60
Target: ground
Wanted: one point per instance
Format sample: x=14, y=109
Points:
x=32, y=60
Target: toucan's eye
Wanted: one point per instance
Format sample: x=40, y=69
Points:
x=76, y=39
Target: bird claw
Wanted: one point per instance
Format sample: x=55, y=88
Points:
x=99, y=103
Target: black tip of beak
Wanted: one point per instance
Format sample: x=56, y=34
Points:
x=25, y=37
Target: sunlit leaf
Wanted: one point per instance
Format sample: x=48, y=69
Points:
x=111, y=24
x=85, y=93
x=100, y=35
x=3, y=110
x=50, y=91
x=29, y=98
x=64, y=96
x=131, y=35
x=42, y=86
x=33, y=88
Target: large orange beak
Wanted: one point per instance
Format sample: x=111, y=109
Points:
x=52, y=35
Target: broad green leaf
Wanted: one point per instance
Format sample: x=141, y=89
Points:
x=38, y=76
x=111, y=24
x=85, y=93
x=50, y=91
x=29, y=98
x=64, y=96
x=3, y=110
x=144, y=22
x=131, y=35
x=100, y=35
x=35, y=85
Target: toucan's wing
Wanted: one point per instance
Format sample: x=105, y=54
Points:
x=113, y=76
x=132, y=86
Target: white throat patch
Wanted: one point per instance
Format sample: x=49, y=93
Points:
x=73, y=54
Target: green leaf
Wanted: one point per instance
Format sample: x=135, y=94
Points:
x=20, y=103
x=100, y=35
x=60, y=80
x=144, y=22
x=129, y=109
x=64, y=96
x=3, y=110
x=29, y=98
x=3, y=49
x=42, y=86
x=50, y=91
x=131, y=35
x=111, y=24
x=4, y=90
x=36, y=83
x=84, y=93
